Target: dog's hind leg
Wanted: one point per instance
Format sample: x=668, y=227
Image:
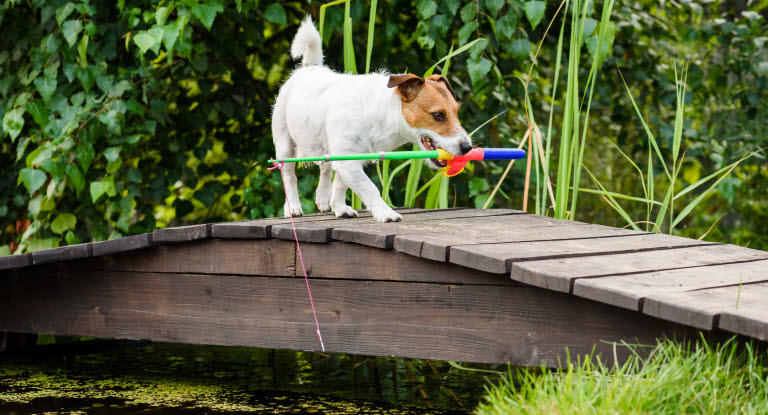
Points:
x=285, y=147
x=323, y=195
x=339, y=199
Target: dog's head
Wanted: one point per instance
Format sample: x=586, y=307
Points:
x=431, y=109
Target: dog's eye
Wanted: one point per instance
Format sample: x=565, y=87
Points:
x=438, y=116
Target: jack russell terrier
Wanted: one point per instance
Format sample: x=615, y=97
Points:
x=319, y=111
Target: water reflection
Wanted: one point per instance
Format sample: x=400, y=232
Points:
x=121, y=377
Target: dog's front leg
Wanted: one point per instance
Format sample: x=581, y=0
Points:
x=351, y=172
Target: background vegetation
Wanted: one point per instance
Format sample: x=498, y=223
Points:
x=121, y=117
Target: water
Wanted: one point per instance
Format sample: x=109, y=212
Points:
x=123, y=377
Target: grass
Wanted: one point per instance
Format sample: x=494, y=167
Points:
x=676, y=378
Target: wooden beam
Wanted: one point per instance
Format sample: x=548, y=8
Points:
x=473, y=323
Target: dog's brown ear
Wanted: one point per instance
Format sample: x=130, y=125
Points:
x=441, y=78
x=408, y=85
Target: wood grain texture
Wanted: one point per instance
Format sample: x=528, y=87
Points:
x=321, y=231
x=520, y=325
x=15, y=261
x=628, y=291
x=702, y=308
x=182, y=233
x=64, y=253
x=499, y=257
x=560, y=274
x=212, y=256
x=350, y=261
x=128, y=243
x=382, y=235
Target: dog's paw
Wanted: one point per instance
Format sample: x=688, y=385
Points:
x=345, y=212
x=323, y=205
x=295, y=211
x=387, y=216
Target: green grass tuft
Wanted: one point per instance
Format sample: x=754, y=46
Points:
x=675, y=378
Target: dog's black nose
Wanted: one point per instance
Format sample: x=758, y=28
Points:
x=465, y=147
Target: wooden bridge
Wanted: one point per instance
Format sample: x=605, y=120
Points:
x=459, y=284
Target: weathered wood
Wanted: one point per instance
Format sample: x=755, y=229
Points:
x=749, y=320
x=499, y=257
x=382, y=235
x=213, y=256
x=15, y=261
x=560, y=274
x=128, y=243
x=438, y=249
x=261, y=228
x=351, y=261
x=702, y=308
x=520, y=325
x=182, y=233
x=323, y=231
x=64, y=253
x=628, y=291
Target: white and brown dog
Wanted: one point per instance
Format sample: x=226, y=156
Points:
x=319, y=111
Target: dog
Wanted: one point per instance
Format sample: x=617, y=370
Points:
x=319, y=111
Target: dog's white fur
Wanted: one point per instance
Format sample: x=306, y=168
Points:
x=319, y=111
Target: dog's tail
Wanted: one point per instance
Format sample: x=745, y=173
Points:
x=307, y=44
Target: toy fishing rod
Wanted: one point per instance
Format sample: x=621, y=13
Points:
x=454, y=166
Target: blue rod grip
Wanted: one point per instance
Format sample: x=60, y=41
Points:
x=503, y=153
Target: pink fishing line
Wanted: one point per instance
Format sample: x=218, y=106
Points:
x=279, y=166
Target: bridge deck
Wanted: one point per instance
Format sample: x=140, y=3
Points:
x=459, y=284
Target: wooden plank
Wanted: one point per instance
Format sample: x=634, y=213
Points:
x=127, y=243
x=560, y=274
x=439, y=249
x=486, y=324
x=628, y=291
x=323, y=231
x=382, y=235
x=182, y=233
x=212, y=256
x=64, y=253
x=261, y=228
x=702, y=308
x=351, y=261
x=15, y=261
x=499, y=257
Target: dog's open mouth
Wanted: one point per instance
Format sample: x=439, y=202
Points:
x=429, y=144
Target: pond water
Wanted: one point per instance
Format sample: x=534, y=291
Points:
x=129, y=377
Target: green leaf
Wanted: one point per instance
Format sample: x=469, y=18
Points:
x=507, y=24
x=64, y=11
x=478, y=68
x=82, y=50
x=71, y=238
x=207, y=14
x=534, y=11
x=427, y=9
x=46, y=87
x=162, y=13
x=170, y=34
x=453, y=6
x=70, y=29
x=589, y=27
x=494, y=6
x=112, y=153
x=75, y=177
x=85, y=155
x=275, y=13
x=521, y=48
x=466, y=31
x=468, y=12
x=100, y=188
x=38, y=111
x=13, y=122
x=119, y=88
x=63, y=222
x=5, y=250
x=38, y=244
x=32, y=179
x=148, y=39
